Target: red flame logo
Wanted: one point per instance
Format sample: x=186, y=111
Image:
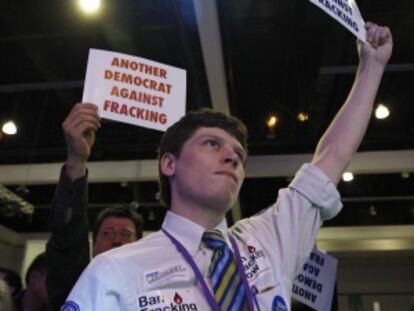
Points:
x=252, y=249
x=178, y=299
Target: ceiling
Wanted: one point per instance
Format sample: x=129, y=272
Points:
x=247, y=57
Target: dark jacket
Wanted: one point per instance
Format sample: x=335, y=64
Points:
x=68, y=249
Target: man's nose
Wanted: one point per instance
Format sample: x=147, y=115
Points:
x=230, y=156
x=117, y=239
x=116, y=243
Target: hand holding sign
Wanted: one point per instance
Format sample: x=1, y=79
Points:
x=79, y=128
x=378, y=48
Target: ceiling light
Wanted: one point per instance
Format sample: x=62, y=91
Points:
x=89, y=6
x=347, y=176
x=271, y=124
x=382, y=112
x=271, y=121
x=302, y=116
x=9, y=128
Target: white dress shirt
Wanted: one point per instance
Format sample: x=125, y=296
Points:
x=152, y=275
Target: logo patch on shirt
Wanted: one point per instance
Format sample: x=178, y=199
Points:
x=167, y=274
x=279, y=304
x=254, y=262
x=70, y=306
x=168, y=300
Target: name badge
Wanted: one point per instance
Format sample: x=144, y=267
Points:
x=168, y=274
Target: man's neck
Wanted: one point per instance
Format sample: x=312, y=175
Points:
x=206, y=217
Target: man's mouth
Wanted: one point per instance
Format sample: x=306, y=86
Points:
x=229, y=174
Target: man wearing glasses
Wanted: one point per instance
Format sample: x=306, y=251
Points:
x=68, y=250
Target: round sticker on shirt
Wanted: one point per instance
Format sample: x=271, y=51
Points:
x=279, y=304
x=70, y=306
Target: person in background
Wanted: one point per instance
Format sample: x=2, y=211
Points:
x=196, y=262
x=68, y=250
x=13, y=279
x=34, y=296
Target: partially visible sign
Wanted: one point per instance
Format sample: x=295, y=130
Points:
x=347, y=13
x=314, y=286
x=135, y=90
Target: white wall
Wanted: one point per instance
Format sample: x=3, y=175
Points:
x=11, y=249
x=386, y=302
x=386, y=278
x=17, y=251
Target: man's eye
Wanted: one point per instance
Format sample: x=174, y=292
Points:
x=212, y=143
x=108, y=234
x=240, y=156
x=126, y=235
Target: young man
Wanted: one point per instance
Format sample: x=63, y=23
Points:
x=67, y=249
x=195, y=262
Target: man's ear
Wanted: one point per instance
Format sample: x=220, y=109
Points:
x=167, y=164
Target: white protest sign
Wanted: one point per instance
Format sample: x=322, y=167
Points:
x=314, y=286
x=347, y=13
x=135, y=90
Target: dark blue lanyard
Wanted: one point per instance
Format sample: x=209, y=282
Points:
x=199, y=276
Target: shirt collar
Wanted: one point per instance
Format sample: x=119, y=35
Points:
x=188, y=233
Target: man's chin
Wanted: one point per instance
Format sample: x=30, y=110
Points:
x=224, y=202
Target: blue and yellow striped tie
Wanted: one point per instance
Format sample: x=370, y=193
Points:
x=227, y=285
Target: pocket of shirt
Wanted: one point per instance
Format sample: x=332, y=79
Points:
x=267, y=292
